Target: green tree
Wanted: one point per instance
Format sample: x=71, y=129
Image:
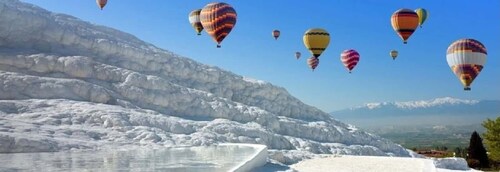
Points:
x=458, y=152
x=492, y=138
x=477, y=151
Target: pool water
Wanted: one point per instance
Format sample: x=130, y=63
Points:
x=192, y=159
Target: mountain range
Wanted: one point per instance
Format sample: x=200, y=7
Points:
x=438, y=111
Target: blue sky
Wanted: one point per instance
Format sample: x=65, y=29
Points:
x=420, y=72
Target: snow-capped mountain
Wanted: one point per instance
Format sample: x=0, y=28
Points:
x=445, y=110
x=66, y=83
x=420, y=104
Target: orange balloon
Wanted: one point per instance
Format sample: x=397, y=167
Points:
x=404, y=22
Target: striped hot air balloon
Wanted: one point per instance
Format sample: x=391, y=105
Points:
x=404, y=22
x=422, y=16
x=394, y=54
x=194, y=19
x=276, y=34
x=313, y=62
x=350, y=59
x=466, y=58
x=316, y=41
x=101, y=3
x=218, y=19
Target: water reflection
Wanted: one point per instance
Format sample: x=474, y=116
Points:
x=206, y=159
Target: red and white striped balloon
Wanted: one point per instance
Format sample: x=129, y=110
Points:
x=349, y=58
x=313, y=62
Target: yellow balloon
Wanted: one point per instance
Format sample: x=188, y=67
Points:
x=316, y=41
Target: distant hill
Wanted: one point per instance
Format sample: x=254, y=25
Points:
x=439, y=111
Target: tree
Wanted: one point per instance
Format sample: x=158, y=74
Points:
x=492, y=138
x=458, y=152
x=477, y=151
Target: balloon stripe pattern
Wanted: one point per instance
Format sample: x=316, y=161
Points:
x=350, y=59
x=218, y=19
x=316, y=41
x=194, y=19
x=466, y=58
x=101, y=3
x=313, y=62
x=404, y=22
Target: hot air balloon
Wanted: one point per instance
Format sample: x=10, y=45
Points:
x=276, y=34
x=194, y=19
x=349, y=58
x=422, y=16
x=297, y=55
x=316, y=41
x=101, y=3
x=218, y=19
x=394, y=54
x=313, y=62
x=404, y=22
x=466, y=58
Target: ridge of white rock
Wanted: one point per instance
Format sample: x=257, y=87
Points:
x=66, y=83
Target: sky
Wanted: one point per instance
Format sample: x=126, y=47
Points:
x=419, y=73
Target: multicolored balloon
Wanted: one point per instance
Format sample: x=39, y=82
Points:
x=218, y=19
x=194, y=19
x=404, y=22
x=422, y=16
x=349, y=58
x=394, y=54
x=276, y=34
x=297, y=55
x=316, y=41
x=313, y=62
x=466, y=58
x=101, y=3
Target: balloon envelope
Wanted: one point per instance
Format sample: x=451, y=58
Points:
x=101, y=3
x=316, y=41
x=466, y=58
x=404, y=22
x=313, y=62
x=218, y=19
x=350, y=59
x=297, y=55
x=422, y=16
x=276, y=34
x=194, y=19
x=394, y=54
